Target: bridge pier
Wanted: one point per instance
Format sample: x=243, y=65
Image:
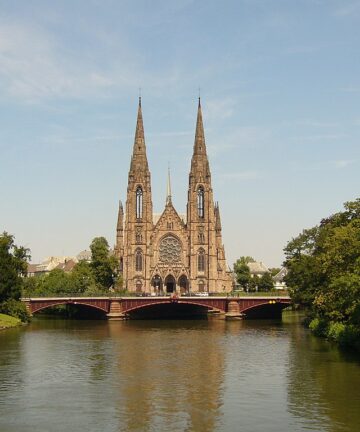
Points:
x=115, y=311
x=233, y=311
x=28, y=307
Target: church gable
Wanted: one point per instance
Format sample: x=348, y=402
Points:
x=169, y=221
x=169, y=242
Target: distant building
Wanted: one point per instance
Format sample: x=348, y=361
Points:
x=65, y=263
x=84, y=255
x=279, y=279
x=257, y=269
x=66, y=266
x=32, y=269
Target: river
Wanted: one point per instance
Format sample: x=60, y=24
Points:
x=215, y=375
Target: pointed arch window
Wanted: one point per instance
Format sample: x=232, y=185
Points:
x=138, y=260
x=201, y=260
x=201, y=201
x=139, y=202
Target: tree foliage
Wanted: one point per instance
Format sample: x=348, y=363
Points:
x=104, y=265
x=242, y=272
x=13, y=265
x=324, y=267
x=265, y=283
x=94, y=278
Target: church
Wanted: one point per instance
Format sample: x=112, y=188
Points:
x=171, y=253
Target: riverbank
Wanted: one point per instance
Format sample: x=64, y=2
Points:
x=7, y=321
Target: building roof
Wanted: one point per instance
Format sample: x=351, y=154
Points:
x=280, y=276
x=257, y=268
x=84, y=255
x=67, y=266
x=156, y=217
x=32, y=268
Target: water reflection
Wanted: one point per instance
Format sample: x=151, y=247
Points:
x=174, y=375
x=171, y=380
x=323, y=384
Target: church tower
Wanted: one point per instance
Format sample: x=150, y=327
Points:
x=167, y=253
x=139, y=215
x=203, y=222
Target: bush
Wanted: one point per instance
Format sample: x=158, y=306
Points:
x=335, y=331
x=319, y=327
x=15, y=309
x=350, y=337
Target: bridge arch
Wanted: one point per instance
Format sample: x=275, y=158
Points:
x=266, y=309
x=168, y=309
x=39, y=306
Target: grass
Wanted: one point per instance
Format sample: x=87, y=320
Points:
x=7, y=321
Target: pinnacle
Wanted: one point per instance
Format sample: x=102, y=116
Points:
x=168, y=189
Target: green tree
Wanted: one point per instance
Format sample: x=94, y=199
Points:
x=82, y=278
x=56, y=282
x=13, y=265
x=274, y=271
x=242, y=272
x=265, y=283
x=103, y=265
x=253, y=283
x=324, y=272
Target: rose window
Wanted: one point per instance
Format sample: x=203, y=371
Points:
x=170, y=249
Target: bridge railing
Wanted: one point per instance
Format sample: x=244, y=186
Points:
x=277, y=293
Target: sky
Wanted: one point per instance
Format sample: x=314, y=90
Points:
x=280, y=91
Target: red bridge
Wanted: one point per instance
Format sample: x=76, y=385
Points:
x=130, y=307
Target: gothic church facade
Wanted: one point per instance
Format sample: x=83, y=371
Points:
x=171, y=253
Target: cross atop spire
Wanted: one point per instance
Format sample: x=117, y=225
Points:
x=168, y=188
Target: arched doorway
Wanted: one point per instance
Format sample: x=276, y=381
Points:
x=184, y=284
x=170, y=284
x=157, y=284
x=138, y=286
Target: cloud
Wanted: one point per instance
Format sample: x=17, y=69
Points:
x=36, y=66
x=350, y=89
x=347, y=9
x=33, y=67
x=240, y=175
x=313, y=123
x=302, y=49
x=319, y=137
x=337, y=164
x=218, y=109
x=340, y=164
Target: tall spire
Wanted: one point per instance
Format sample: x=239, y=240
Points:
x=139, y=150
x=120, y=231
x=199, y=144
x=217, y=218
x=200, y=169
x=120, y=217
x=168, y=188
